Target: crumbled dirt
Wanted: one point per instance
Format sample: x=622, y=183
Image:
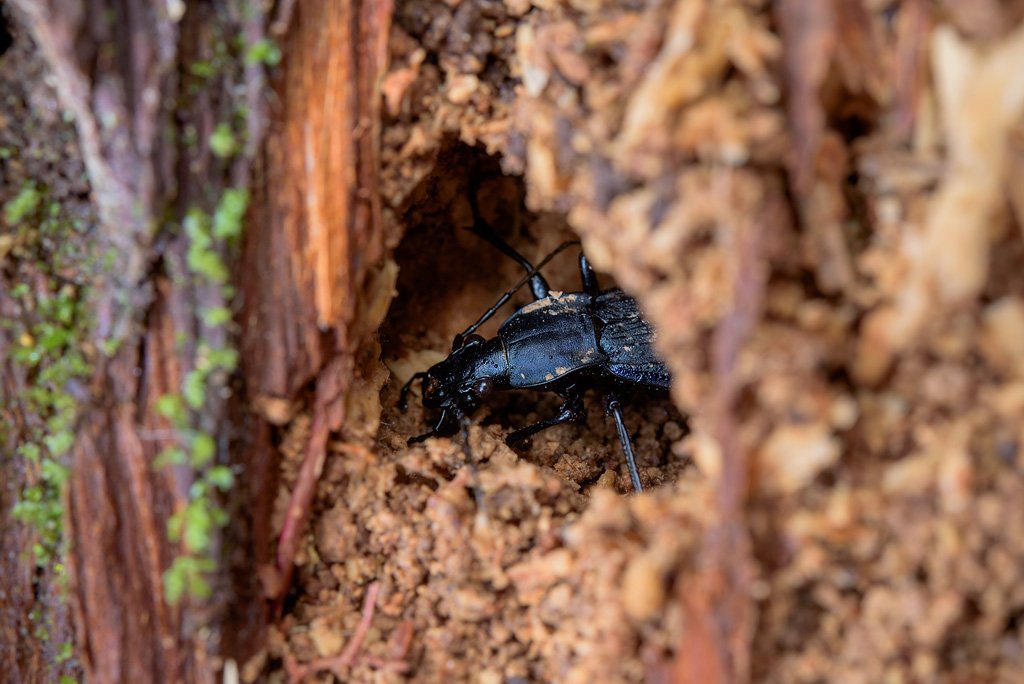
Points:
x=470, y=539
x=818, y=207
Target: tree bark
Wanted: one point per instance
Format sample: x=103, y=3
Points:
x=115, y=67
x=314, y=233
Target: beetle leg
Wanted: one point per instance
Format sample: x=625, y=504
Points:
x=615, y=408
x=570, y=411
x=478, y=490
x=588, y=277
x=403, y=398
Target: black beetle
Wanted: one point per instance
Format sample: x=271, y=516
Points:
x=565, y=343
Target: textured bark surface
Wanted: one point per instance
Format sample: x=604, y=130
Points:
x=317, y=219
x=117, y=88
x=116, y=68
x=115, y=85
x=315, y=237
x=35, y=620
x=315, y=232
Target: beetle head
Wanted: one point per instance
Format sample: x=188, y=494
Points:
x=462, y=381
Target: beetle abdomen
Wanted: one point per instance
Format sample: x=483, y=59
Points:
x=625, y=339
x=549, y=339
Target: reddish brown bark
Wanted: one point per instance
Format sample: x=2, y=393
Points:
x=118, y=68
x=317, y=230
x=116, y=505
x=30, y=596
x=319, y=202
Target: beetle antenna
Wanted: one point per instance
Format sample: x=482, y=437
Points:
x=460, y=338
x=403, y=398
x=439, y=430
x=485, y=231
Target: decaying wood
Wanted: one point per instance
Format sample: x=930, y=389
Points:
x=319, y=200
x=716, y=605
x=114, y=86
x=117, y=506
x=816, y=205
x=317, y=231
x=123, y=93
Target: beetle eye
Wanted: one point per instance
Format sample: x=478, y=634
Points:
x=483, y=387
x=461, y=342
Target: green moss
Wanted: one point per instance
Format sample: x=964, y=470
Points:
x=222, y=141
x=264, y=51
x=169, y=456
x=203, y=69
x=171, y=407
x=187, y=576
x=49, y=338
x=216, y=316
x=23, y=204
x=225, y=359
x=64, y=652
x=110, y=346
x=227, y=219
x=203, y=450
x=193, y=390
x=209, y=264
x=40, y=507
x=221, y=477
x=195, y=525
x=203, y=258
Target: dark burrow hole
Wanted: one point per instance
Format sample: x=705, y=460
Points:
x=449, y=276
x=6, y=37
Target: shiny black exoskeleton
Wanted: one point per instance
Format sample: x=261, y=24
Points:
x=565, y=343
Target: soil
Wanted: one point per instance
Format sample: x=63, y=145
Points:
x=470, y=539
x=796, y=200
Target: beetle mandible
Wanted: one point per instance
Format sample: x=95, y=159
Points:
x=565, y=343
